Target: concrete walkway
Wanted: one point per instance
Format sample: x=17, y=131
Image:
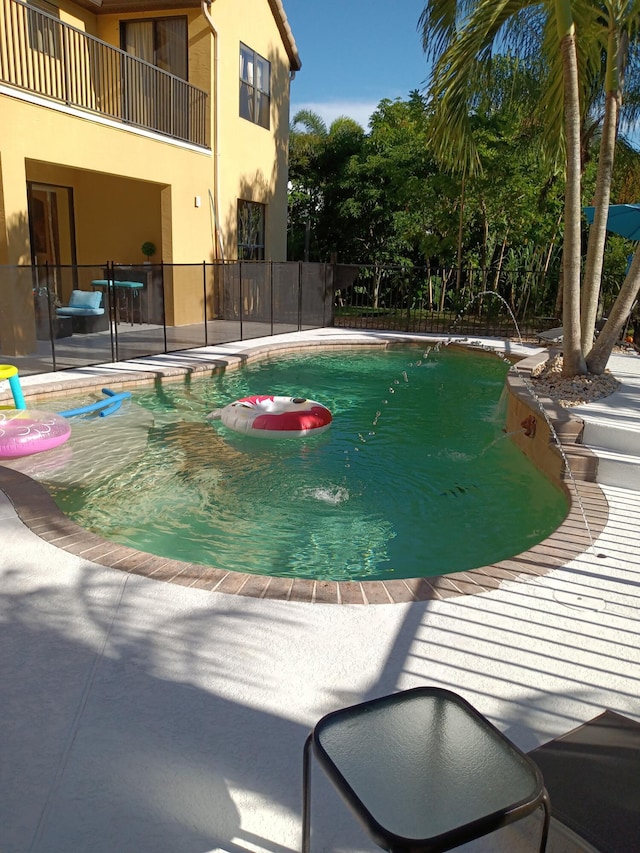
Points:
x=144, y=717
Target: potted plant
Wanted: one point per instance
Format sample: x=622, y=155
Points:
x=148, y=249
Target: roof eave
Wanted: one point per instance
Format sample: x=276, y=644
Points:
x=287, y=36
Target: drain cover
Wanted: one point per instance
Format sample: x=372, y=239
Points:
x=582, y=602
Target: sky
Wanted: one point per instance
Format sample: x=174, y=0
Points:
x=355, y=53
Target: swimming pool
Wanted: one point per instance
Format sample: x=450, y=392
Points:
x=414, y=478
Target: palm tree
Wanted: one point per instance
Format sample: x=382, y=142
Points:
x=313, y=123
x=311, y=145
x=304, y=146
x=461, y=36
x=619, y=24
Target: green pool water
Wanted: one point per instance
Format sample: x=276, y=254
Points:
x=415, y=477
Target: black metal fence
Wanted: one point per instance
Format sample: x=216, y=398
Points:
x=160, y=308
x=153, y=308
x=445, y=301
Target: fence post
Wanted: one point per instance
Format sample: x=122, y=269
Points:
x=52, y=334
x=164, y=309
x=299, y=296
x=271, y=294
x=113, y=310
x=240, y=297
x=204, y=302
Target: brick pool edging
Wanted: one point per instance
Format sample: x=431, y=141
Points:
x=37, y=510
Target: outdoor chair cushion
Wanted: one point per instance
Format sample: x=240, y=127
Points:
x=83, y=303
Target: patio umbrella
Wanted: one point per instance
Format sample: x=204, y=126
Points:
x=623, y=219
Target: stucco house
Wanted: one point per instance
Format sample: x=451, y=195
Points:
x=141, y=121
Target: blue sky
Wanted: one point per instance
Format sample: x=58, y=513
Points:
x=355, y=53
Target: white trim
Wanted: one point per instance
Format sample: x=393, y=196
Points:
x=28, y=97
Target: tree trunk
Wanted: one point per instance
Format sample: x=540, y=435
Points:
x=443, y=292
x=559, y=294
x=547, y=264
x=377, y=280
x=598, y=231
x=485, y=237
x=460, y=232
x=503, y=249
x=573, y=359
x=608, y=337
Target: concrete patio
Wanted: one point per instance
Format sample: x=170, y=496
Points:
x=141, y=717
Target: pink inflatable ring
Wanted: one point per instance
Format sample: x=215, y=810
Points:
x=275, y=417
x=23, y=431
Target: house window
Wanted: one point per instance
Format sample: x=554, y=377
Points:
x=251, y=217
x=255, y=87
x=44, y=32
x=161, y=42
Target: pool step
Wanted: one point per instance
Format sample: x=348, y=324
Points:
x=582, y=462
x=616, y=448
x=617, y=469
x=606, y=464
x=612, y=436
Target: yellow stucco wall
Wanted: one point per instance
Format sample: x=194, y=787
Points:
x=252, y=160
x=82, y=19
x=116, y=176
x=130, y=187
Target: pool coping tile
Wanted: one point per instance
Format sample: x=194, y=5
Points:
x=29, y=499
x=38, y=511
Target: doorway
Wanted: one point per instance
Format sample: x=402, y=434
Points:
x=53, y=248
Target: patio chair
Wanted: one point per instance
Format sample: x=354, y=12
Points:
x=555, y=336
x=551, y=336
x=86, y=312
x=592, y=774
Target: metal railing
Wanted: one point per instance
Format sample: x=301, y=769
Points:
x=43, y=55
x=444, y=300
x=239, y=300
x=225, y=301
x=230, y=301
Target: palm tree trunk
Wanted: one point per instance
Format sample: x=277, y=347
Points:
x=573, y=359
x=608, y=337
x=460, y=231
x=598, y=231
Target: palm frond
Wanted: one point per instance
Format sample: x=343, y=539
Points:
x=311, y=121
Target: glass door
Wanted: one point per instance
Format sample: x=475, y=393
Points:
x=52, y=234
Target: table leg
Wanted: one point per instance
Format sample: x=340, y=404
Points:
x=306, y=796
x=546, y=805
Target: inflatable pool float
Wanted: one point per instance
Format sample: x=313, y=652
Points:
x=275, y=417
x=23, y=431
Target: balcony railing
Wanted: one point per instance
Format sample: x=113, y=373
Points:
x=40, y=54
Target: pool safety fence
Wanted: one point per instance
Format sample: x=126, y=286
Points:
x=150, y=309
x=447, y=300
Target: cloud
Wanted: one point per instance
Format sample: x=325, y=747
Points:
x=328, y=111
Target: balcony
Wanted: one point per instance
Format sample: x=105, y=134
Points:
x=44, y=56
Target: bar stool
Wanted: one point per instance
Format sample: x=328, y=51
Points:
x=130, y=290
x=423, y=771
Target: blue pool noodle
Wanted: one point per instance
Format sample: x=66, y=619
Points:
x=110, y=409
x=118, y=398
x=110, y=405
x=16, y=391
